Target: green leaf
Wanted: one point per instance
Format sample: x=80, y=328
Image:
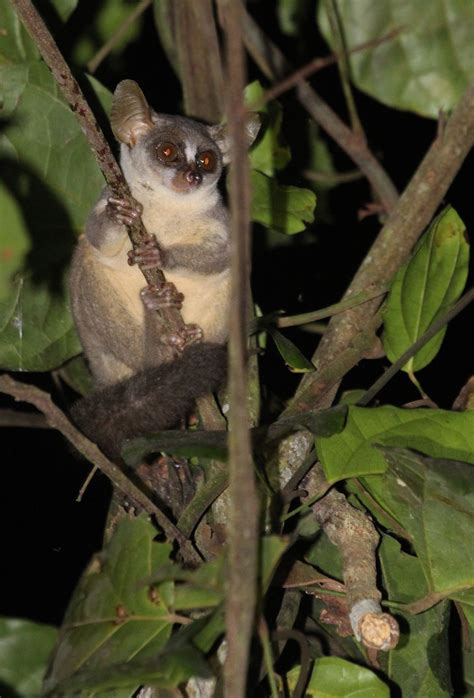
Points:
x=402, y=573
x=54, y=168
x=425, y=288
x=332, y=677
x=425, y=67
x=36, y=328
x=24, y=651
x=112, y=618
x=14, y=242
x=213, y=444
x=294, y=359
x=15, y=43
x=77, y=375
x=434, y=501
x=65, y=8
x=269, y=154
x=437, y=433
x=419, y=665
x=291, y=15
x=282, y=208
x=167, y=669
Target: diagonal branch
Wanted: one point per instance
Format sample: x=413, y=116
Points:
x=58, y=420
x=413, y=213
x=73, y=94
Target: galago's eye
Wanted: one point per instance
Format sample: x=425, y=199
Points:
x=167, y=152
x=206, y=160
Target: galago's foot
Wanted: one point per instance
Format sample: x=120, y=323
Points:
x=147, y=254
x=123, y=210
x=187, y=335
x=165, y=295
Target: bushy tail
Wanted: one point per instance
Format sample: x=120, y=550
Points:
x=152, y=400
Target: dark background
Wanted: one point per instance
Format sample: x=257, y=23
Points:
x=48, y=537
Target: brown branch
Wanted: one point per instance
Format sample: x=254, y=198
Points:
x=356, y=539
x=57, y=420
x=103, y=52
x=274, y=65
x=29, y=420
x=169, y=317
x=242, y=522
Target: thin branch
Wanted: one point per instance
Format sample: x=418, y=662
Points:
x=274, y=65
x=71, y=91
x=437, y=325
x=343, y=65
x=319, y=63
x=58, y=420
x=29, y=420
x=242, y=523
x=103, y=52
x=332, y=178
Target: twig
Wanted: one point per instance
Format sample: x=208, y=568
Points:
x=305, y=657
x=274, y=65
x=332, y=178
x=319, y=63
x=437, y=325
x=242, y=524
x=337, y=30
x=29, y=420
x=57, y=420
x=96, y=60
x=356, y=539
x=70, y=89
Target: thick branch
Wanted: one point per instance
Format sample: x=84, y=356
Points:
x=242, y=524
x=413, y=213
x=57, y=419
x=356, y=539
x=71, y=91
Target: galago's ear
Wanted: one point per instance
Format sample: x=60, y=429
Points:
x=131, y=116
x=221, y=137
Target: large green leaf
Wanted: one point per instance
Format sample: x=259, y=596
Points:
x=43, y=140
x=52, y=178
x=332, y=677
x=434, y=501
x=24, y=651
x=112, y=617
x=402, y=573
x=425, y=288
x=36, y=328
x=286, y=209
x=419, y=665
x=426, y=66
x=14, y=241
x=438, y=433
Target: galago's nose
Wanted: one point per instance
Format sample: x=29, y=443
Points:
x=193, y=177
